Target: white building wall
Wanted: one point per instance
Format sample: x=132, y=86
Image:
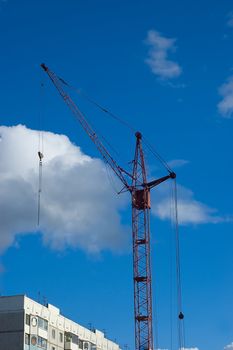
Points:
x=56, y=324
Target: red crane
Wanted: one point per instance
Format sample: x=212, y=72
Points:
x=139, y=188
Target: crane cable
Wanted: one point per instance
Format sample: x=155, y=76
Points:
x=157, y=155
x=155, y=326
x=40, y=155
x=96, y=104
x=120, y=120
x=86, y=97
x=171, y=263
x=181, y=329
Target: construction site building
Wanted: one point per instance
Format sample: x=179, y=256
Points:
x=28, y=325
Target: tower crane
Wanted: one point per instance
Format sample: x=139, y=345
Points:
x=139, y=188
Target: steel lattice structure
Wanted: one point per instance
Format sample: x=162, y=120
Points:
x=136, y=183
x=141, y=252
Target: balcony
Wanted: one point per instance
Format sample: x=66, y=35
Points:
x=71, y=346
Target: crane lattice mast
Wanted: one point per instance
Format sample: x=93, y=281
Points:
x=136, y=183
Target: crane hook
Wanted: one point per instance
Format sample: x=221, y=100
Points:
x=41, y=156
x=181, y=316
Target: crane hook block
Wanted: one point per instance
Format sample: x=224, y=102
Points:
x=40, y=154
x=181, y=316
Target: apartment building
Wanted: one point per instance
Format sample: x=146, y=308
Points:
x=28, y=325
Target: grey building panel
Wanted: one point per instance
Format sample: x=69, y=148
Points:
x=13, y=321
x=11, y=341
x=12, y=303
x=11, y=330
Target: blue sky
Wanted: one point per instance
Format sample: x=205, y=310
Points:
x=164, y=67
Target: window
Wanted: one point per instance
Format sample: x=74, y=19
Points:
x=86, y=345
x=42, y=342
x=61, y=337
x=27, y=319
x=70, y=337
x=27, y=339
x=80, y=343
x=53, y=333
x=43, y=324
x=75, y=339
x=53, y=348
x=33, y=340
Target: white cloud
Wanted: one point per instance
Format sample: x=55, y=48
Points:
x=229, y=347
x=157, y=58
x=177, y=163
x=79, y=208
x=78, y=205
x=225, y=107
x=230, y=19
x=190, y=211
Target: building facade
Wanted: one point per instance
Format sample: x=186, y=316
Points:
x=28, y=325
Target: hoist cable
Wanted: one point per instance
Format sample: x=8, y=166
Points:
x=110, y=179
x=39, y=191
x=40, y=154
x=181, y=332
x=155, y=307
x=171, y=264
x=40, y=129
